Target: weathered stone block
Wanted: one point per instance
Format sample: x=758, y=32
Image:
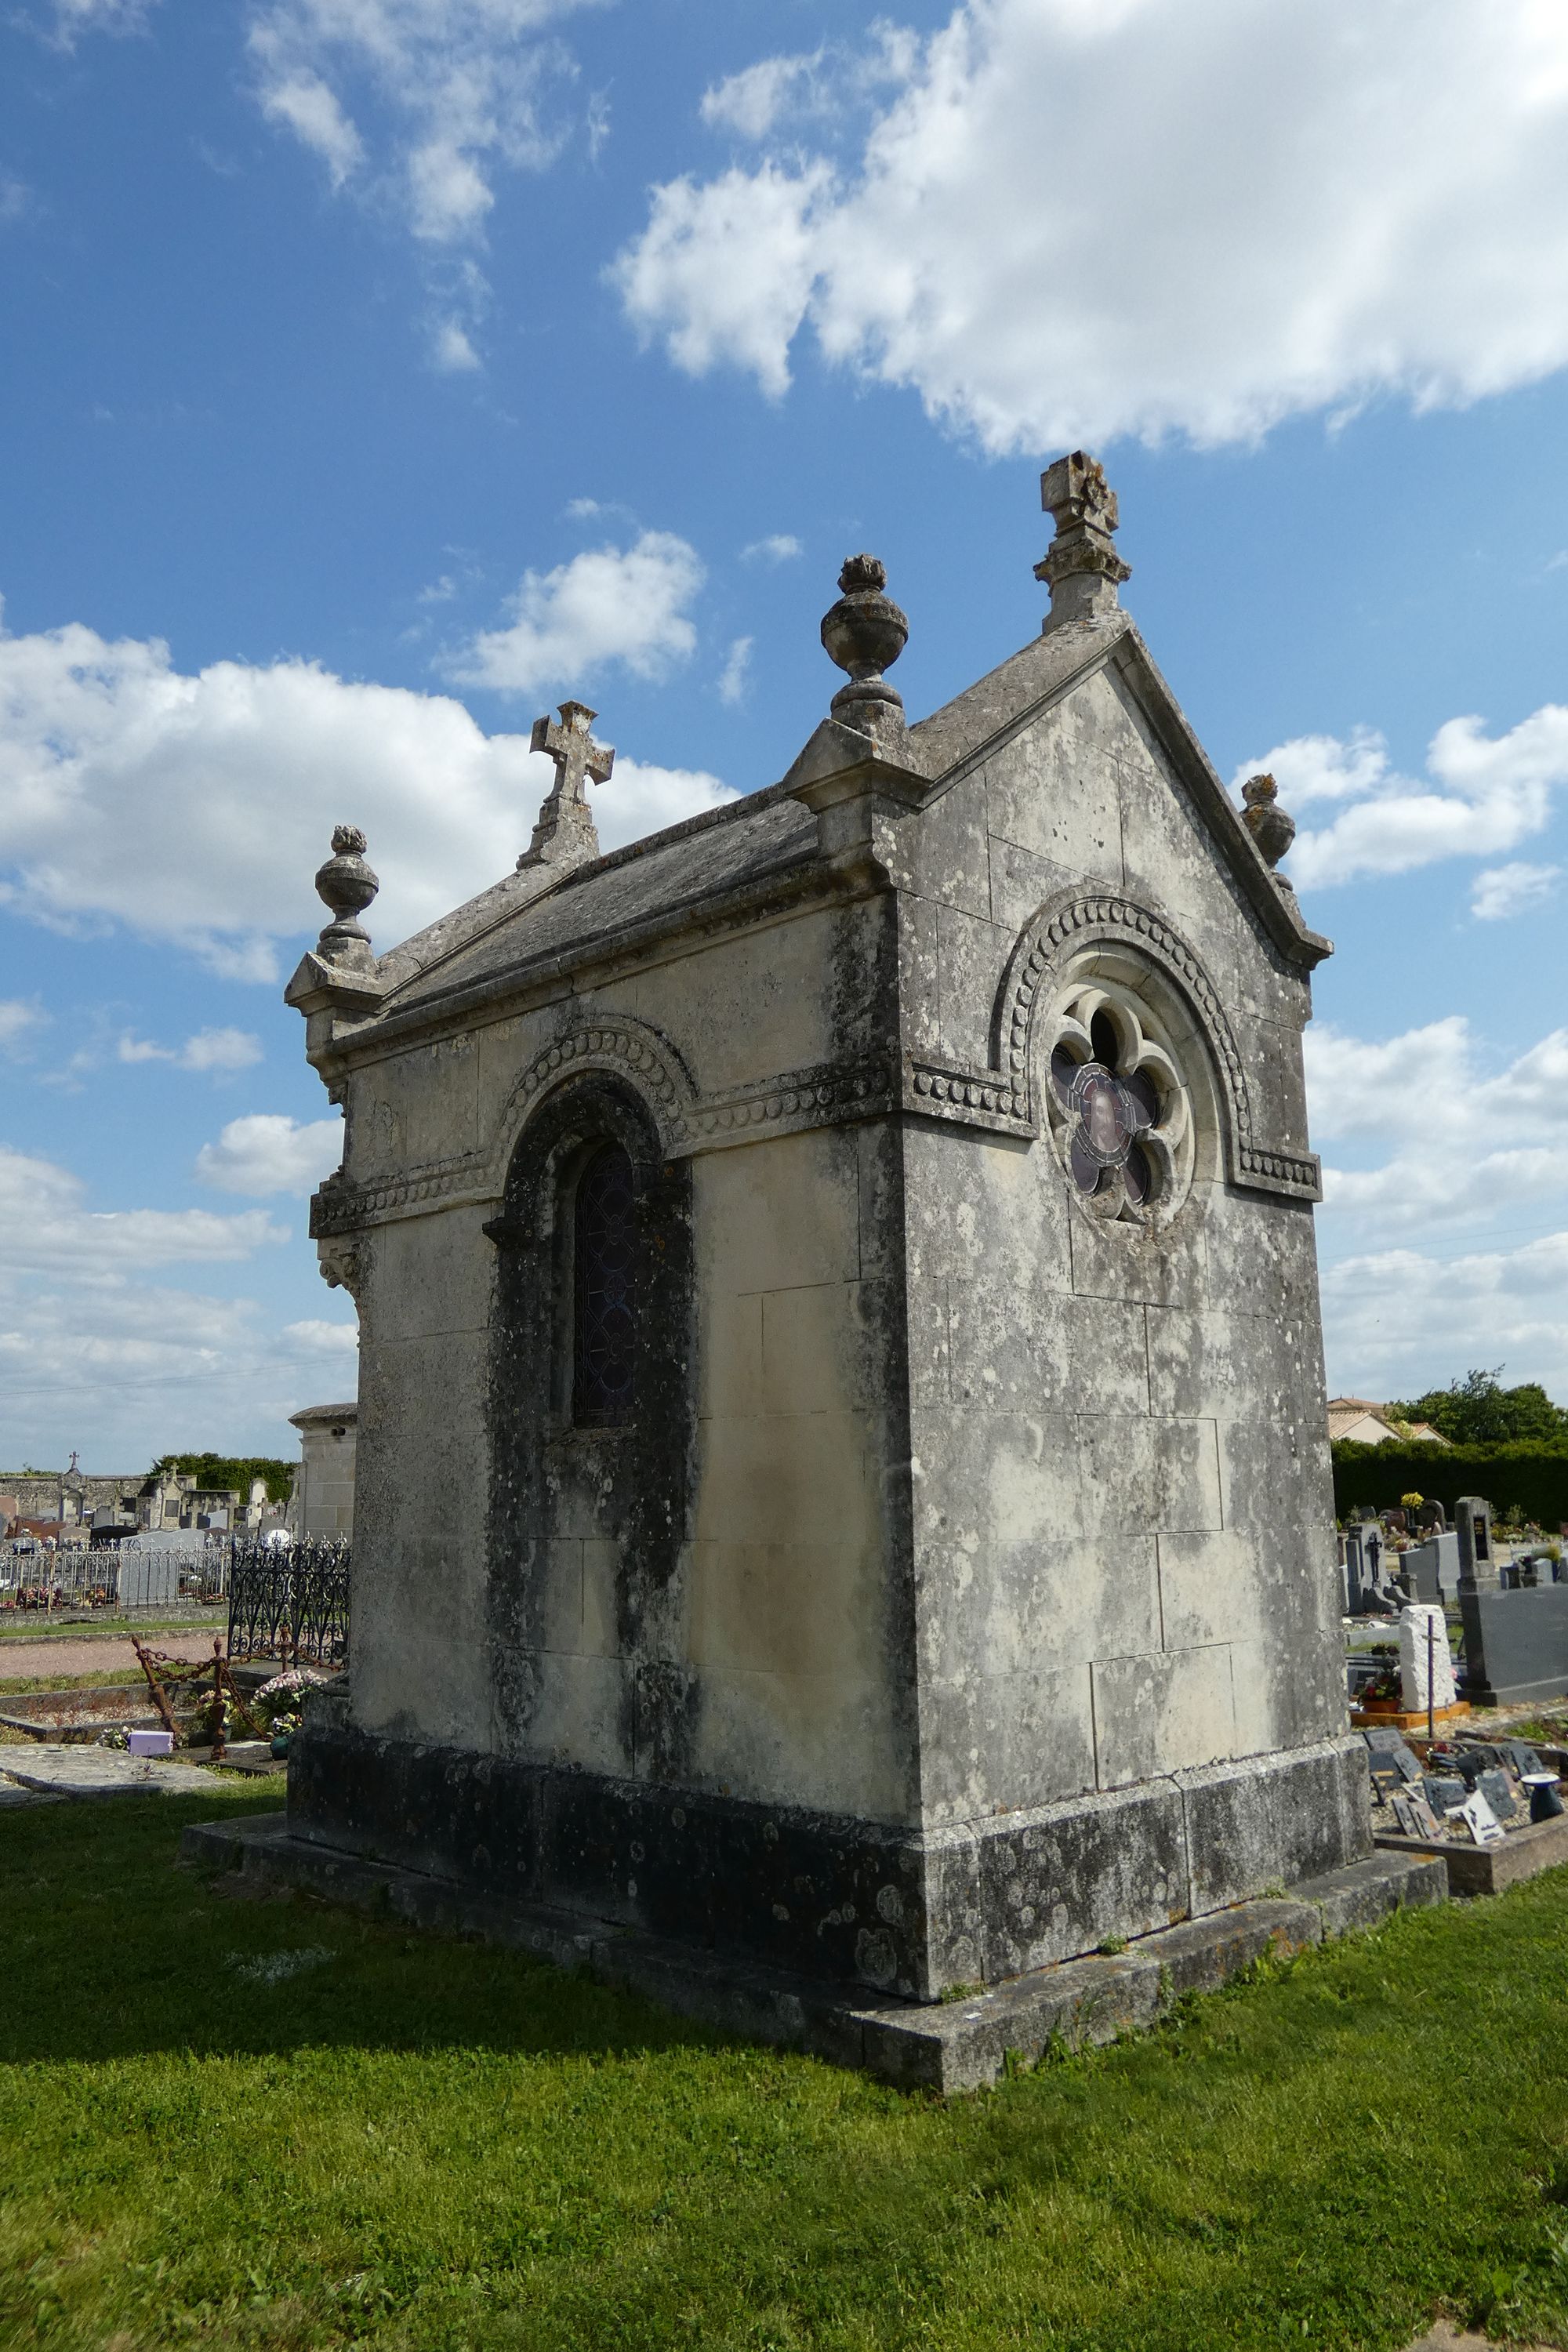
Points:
x=1156, y=1714
x=1270, y=1820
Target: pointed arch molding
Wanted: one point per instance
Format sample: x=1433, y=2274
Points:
x=1062, y=929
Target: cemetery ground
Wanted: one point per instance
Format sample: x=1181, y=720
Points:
x=277, y=2126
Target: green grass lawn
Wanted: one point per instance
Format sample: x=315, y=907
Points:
x=278, y=2125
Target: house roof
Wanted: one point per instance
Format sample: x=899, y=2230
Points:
x=1368, y=1424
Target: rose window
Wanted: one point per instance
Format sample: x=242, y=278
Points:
x=1117, y=1109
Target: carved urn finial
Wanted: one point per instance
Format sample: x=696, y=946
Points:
x=865, y=633
x=1267, y=823
x=1080, y=567
x=346, y=885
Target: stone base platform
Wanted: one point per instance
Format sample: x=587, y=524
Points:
x=1488, y=1869
x=944, y=2046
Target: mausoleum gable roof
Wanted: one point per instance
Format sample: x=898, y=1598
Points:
x=956, y=738
x=748, y=840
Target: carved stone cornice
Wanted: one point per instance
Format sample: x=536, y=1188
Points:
x=821, y=1096
x=1001, y=1098
x=968, y=1096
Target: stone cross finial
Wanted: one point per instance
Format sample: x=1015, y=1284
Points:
x=1080, y=567
x=1267, y=823
x=346, y=885
x=865, y=633
x=565, y=835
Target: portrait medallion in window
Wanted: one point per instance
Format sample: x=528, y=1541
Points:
x=1118, y=1111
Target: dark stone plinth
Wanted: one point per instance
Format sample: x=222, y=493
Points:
x=946, y=2046
x=901, y=1911
x=1516, y=1644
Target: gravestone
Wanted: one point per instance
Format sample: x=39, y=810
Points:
x=1516, y=1643
x=1433, y=1567
x=1444, y=1791
x=1473, y=1526
x=1423, y=1655
x=839, y=1323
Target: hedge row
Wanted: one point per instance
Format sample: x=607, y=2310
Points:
x=1531, y=1478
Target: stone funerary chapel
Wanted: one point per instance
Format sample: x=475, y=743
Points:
x=843, y=1481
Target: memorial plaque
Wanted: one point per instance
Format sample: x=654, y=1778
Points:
x=1479, y=1818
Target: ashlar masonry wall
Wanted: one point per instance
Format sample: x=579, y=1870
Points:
x=1124, y=1539
x=773, y=1661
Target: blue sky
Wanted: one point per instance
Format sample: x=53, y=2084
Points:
x=379, y=372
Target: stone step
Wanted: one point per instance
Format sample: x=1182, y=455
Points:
x=945, y=2046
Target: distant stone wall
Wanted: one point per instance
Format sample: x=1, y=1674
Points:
x=37, y=1493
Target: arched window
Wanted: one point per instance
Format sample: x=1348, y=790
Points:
x=604, y=1354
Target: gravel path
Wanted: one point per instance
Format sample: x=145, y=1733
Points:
x=94, y=1653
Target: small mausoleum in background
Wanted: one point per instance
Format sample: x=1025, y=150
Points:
x=843, y=1477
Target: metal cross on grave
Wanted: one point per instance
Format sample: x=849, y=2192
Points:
x=564, y=835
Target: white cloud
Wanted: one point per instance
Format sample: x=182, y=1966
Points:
x=826, y=83
x=725, y=271
x=1459, y=1142
x=307, y=106
x=14, y=198
x=452, y=348
x=93, y=1354
x=210, y=1049
x=1504, y=891
x=269, y=1154
x=331, y=1339
x=753, y=100
x=658, y=796
x=196, y=809
x=732, y=677
x=1147, y=216
x=607, y=605
x=777, y=547
x=44, y=1226
x=1399, y=1321
x=1480, y=795
x=471, y=89
x=1435, y=1083
x=73, y=17
x=20, y=1019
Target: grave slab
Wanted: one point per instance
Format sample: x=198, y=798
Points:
x=956, y=2045
x=97, y=1772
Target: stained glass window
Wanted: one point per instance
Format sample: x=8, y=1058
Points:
x=1118, y=1111
x=605, y=1353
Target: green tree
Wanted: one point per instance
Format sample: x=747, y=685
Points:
x=1479, y=1411
x=231, y=1472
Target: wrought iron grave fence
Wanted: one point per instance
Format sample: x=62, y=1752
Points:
x=290, y=1600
